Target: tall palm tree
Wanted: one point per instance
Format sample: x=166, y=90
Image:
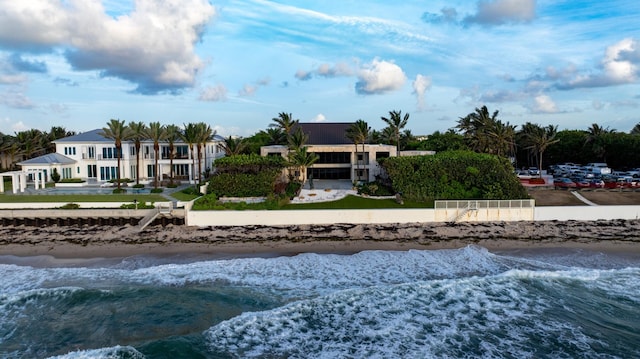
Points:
x=156, y=133
x=118, y=132
x=204, y=135
x=538, y=139
x=502, y=135
x=173, y=134
x=359, y=132
x=233, y=146
x=396, y=122
x=137, y=133
x=635, y=130
x=190, y=136
x=285, y=122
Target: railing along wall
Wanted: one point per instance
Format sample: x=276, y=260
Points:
x=484, y=210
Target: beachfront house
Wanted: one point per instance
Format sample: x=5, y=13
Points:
x=338, y=157
x=92, y=157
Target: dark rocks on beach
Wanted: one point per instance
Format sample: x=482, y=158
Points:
x=424, y=233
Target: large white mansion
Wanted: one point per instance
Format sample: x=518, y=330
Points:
x=92, y=157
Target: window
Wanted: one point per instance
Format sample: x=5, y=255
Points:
x=151, y=171
x=134, y=172
x=91, y=171
x=182, y=152
x=382, y=155
x=334, y=157
x=108, y=173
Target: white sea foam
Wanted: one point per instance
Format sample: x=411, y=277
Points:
x=104, y=353
x=466, y=317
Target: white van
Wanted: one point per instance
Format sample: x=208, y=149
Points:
x=598, y=168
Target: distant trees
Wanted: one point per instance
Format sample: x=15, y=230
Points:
x=359, y=133
x=485, y=133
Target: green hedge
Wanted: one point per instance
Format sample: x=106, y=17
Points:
x=244, y=184
x=252, y=163
x=453, y=175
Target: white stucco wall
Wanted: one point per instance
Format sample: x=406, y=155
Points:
x=586, y=213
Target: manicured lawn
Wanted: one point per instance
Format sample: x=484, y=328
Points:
x=357, y=202
x=12, y=198
x=181, y=196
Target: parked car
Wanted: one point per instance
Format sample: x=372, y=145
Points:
x=534, y=171
x=563, y=182
x=583, y=183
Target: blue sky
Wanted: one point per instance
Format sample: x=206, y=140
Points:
x=236, y=64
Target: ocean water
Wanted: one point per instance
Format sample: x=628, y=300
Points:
x=465, y=303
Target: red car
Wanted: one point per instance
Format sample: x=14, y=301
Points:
x=563, y=182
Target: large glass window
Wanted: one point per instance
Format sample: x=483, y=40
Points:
x=182, y=152
x=333, y=157
x=330, y=173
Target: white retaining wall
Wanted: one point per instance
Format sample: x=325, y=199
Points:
x=51, y=205
x=379, y=216
x=586, y=213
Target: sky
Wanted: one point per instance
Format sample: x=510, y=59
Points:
x=237, y=64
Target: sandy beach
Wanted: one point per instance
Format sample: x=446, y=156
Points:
x=101, y=241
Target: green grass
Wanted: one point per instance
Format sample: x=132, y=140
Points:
x=181, y=196
x=356, y=202
x=12, y=198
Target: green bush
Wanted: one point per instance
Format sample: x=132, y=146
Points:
x=141, y=205
x=191, y=191
x=453, y=175
x=55, y=176
x=244, y=184
x=119, y=190
x=156, y=190
x=172, y=185
x=138, y=185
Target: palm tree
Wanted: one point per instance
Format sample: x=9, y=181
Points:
x=297, y=139
x=635, y=130
x=204, y=135
x=233, y=146
x=276, y=136
x=396, y=122
x=56, y=133
x=300, y=158
x=190, y=136
x=538, y=139
x=156, y=133
x=137, y=133
x=31, y=143
x=359, y=132
x=285, y=122
x=173, y=134
x=116, y=131
x=597, y=137
x=502, y=136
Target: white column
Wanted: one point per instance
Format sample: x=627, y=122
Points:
x=36, y=179
x=23, y=181
x=1, y=184
x=14, y=183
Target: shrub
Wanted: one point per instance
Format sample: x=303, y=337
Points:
x=191, y=191
x=138, y=185
x=119, y=190
x=156, y=190
x=453, y=175
x=55, y=176
x=172, y=185
x=141, y=205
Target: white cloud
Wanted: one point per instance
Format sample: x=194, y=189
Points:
x=380, y=77
x=543, y=104
x=213, y=93
x=420, y=86
x=12, y=79
x=620, y=65
x=16, y=99
x=319, y=118
x=498, y=12
x=9, y=126
x=248, y=90
x=153, y=46
x=326, y=70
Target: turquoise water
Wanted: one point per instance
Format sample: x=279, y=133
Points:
x=90, y=190
x=375, y=304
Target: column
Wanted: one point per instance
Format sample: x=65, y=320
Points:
x=23, y=181
x=2, y=184
x=14, y=182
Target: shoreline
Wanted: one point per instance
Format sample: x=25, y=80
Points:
x=111, y=242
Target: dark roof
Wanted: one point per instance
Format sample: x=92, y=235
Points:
x=326, y=133
x=48, y=159
x=90, y=136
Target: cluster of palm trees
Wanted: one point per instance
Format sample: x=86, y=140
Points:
x=28, y=144
x=485, y=133
x=195, y=135
x=298, y=157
